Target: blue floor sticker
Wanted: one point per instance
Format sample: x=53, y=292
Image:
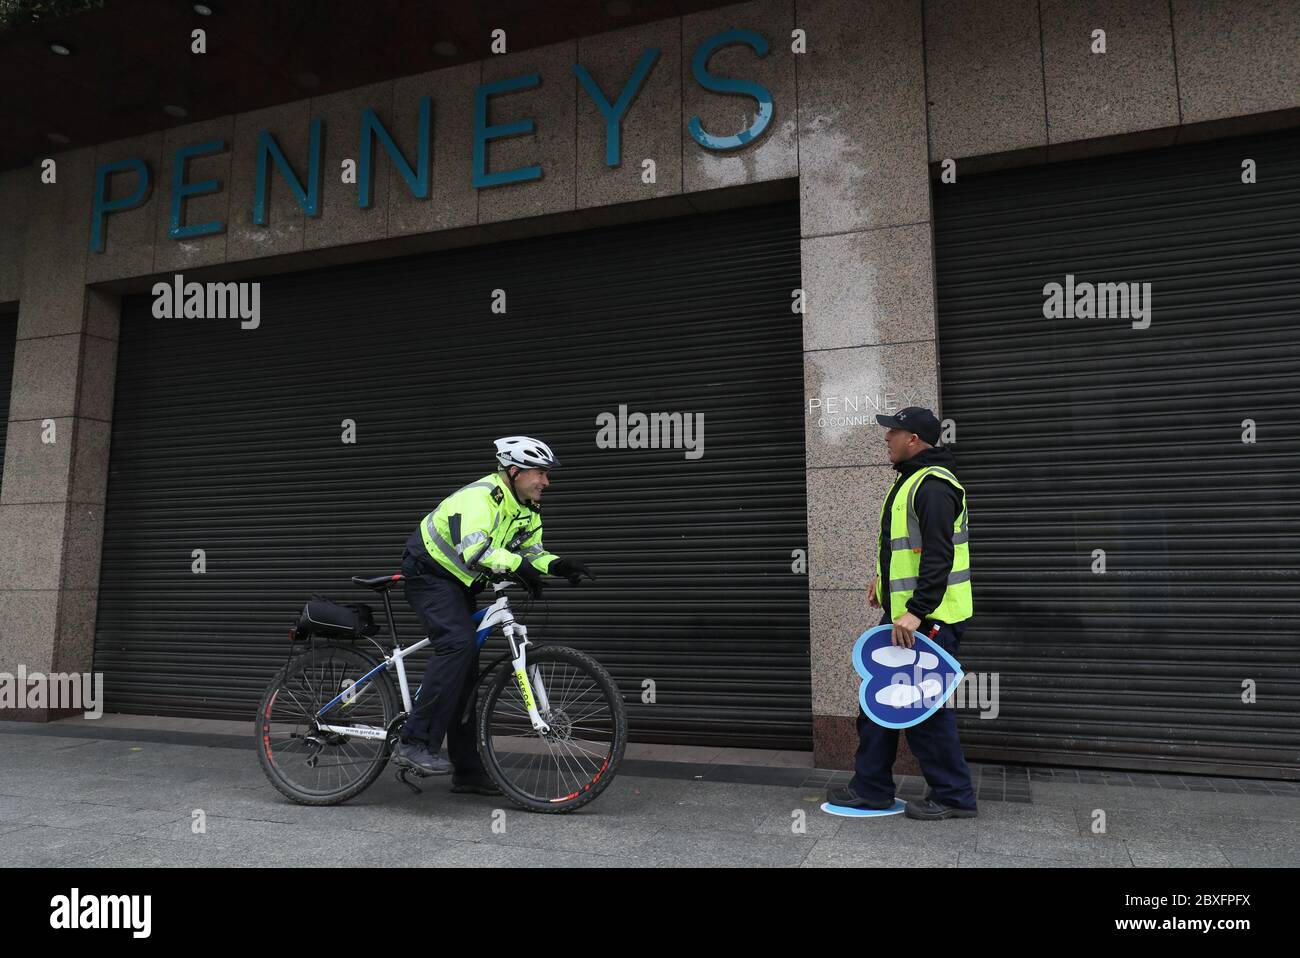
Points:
x=847, y=812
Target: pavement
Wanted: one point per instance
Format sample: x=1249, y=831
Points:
x=129, y=791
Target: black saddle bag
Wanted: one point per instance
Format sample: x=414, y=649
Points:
x=335, y=620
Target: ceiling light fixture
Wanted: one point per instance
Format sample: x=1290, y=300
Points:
x=62, y=49
x=178, y=111
x=202, y=9
x=58, y=138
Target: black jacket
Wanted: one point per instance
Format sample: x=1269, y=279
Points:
x=937, y=507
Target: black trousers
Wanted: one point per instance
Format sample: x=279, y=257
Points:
x=934, y=742
x=449, y=688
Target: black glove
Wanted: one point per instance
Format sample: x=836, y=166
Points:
x=531, y=579
x=571, y=569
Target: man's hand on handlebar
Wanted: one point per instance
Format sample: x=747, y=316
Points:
x=529, y=578
x=571, y=569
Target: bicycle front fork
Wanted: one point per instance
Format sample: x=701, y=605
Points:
x=532, y=689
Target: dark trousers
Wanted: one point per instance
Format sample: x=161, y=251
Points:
x=934, y=742
x=449, y=689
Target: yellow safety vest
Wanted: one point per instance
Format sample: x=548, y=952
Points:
x=904, y=527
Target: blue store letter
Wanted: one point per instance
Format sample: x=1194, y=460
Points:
x=418, y=182
x=614, y=114
x=309, y=198
x=483, y=132
x=181, y=190
x=699, y=64
x=103, y=205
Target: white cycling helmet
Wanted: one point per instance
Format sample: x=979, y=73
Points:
x=525, y=452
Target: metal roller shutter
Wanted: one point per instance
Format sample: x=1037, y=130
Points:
x=229, y=440
x=1082, y=434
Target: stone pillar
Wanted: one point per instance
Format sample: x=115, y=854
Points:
x=869, y=326
x=56, y=452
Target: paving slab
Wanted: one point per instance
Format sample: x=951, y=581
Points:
x=1255, y=856
x=986, y=860
x=39, y=846
x=831, y=854
x=1027, y=844
x=1175, y=854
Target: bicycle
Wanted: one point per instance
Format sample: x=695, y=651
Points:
x=551, y=726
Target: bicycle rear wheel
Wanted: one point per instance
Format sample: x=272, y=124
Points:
x=578, y=758
x=310, y=765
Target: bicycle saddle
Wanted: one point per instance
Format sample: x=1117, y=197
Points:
x=378, y=584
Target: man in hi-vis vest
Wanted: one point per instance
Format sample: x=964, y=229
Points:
x=922, y=582
x=492, y=525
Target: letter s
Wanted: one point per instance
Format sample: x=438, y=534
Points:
x=760, y=93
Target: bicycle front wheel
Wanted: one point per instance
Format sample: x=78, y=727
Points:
x=573, y=762
x=315, y=766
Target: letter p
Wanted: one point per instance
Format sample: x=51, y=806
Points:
x=102, y=205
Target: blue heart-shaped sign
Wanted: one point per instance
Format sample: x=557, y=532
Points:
x=902, y=687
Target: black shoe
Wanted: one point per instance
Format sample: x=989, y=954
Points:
x=415, y=755
x=847, y=798
x=476, y=783
x=928, y=810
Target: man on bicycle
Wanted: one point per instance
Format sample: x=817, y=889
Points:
x=492, y=525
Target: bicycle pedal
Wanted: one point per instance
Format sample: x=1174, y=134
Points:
x=409, y=768
x=402, y=773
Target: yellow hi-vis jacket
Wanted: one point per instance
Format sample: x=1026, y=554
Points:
x=905, y=544
x=482, y=528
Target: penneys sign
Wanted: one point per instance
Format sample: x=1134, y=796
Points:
x=416, y=175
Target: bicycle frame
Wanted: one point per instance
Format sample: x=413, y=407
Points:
x=498, y=613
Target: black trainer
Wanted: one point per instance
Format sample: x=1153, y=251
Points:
x=847, y=798
x=928, y=810
x=476, y=783
x=417, y=756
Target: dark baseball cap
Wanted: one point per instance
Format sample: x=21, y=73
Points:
x=915, y=419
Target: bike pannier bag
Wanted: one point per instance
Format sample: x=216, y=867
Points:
x=336, y=620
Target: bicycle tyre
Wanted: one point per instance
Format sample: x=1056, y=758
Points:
x=306, y=683
x=576, y=791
